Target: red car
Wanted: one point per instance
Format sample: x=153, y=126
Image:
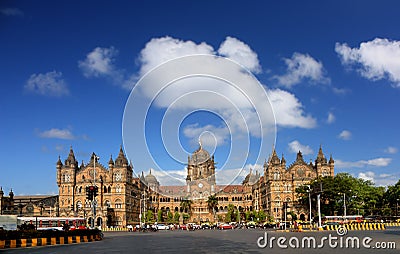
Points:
x=225, y=226
x=183, y=227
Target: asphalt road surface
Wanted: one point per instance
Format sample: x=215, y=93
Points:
x=233, y=241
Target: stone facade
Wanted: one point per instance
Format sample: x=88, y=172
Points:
x=123, y=197
x=118, y=195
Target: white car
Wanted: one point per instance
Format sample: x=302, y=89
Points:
x=162, y=227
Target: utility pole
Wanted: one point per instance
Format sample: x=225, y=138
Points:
x=319, y=207
x=309, y=202
x=95, y=157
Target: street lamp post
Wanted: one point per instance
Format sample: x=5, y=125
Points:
x=309, y=202
x=344, y=204
x=95, y=157
x=397, y=207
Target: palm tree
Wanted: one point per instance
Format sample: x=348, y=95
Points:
x=212, y=203
x=186, y=205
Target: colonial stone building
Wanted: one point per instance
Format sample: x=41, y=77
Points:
x=122, y=197
x=28, y=205
x=276, y=189
x=118, y=191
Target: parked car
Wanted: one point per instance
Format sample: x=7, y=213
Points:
x=183, y=227
x=251, y=224
x=225, y=226
x=205, y=225
x=162, y=227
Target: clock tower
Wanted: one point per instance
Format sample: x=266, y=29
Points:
x=200, y=180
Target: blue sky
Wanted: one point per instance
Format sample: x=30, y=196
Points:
x=331, y=71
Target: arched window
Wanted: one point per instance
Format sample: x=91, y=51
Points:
x=107, y=203
x=118, y=203
x=79, y=204
x=277, y=175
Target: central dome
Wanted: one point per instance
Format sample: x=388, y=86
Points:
x=151, y=179
x=200, y=156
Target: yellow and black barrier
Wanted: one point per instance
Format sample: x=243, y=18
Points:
x=358, y=226
x=33, y=242
x=114, y=229
x=392, y=224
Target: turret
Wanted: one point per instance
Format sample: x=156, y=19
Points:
x=121, y=160
x=111, y=162
x=71, y=161
x=283, y=162
x=11, y=194
x=59, y=166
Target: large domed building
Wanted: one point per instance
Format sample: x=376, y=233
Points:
x=123, y=198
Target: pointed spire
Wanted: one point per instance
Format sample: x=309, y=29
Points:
x=82, y=164
x=111, y=162
x=59, y=163
x=121, y=159
x=71, y=161
x=275, y=159
x=320, y=157
x=11, y=194
x=283, y=161
x=331, y=161
x=299, y=157
x=320, y=153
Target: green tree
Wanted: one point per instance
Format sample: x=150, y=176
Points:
x=343, y=190
x=176, y=217
x=186, y=205
x=160, y=216
x=261, y=215
x=149, y=216
x=212, y=203
x=231, y=215
x=170, y=217
x=392, y=198
x=185, y=217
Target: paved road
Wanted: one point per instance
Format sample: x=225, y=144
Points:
x=229, y=241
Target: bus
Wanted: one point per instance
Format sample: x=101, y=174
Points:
x=53, y=223
x=342, y=219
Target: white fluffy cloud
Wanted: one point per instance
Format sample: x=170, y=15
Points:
x=302, y=67
x=345, y=135
x=241, y=53
x=57, y=133
x=377, y=162
x=331, y=118
x=391, y=150
x=380, y=179
x=49, y=84
x=101, y=62
x=160, y=50
x=374, y=60
x=295, y=147
x=289, y=111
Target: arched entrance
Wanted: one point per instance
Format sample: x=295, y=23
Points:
x=90, y=220
x=99, y=222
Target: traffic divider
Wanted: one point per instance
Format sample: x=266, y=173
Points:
x=33, y=242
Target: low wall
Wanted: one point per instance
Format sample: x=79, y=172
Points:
x=33, y=242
